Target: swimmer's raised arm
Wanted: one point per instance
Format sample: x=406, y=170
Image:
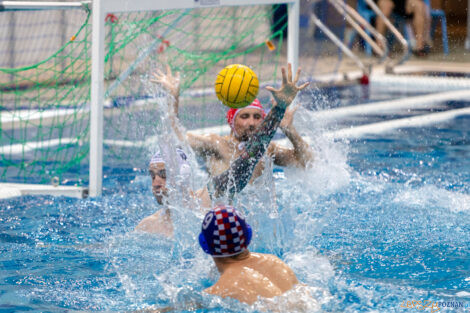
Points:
x=172, y=84
x=238, y=175
x=301, y=154
x=202, y=145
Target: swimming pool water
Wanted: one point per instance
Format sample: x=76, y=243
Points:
x=377, y=221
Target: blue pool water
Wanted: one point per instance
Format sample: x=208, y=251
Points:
x=377, y=221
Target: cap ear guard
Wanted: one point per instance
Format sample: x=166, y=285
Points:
x=203, y=243
x=249, y=231
x=248, y=234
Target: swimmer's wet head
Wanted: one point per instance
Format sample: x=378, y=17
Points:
x=157, y=172
x=224, y=232
x=245, y=121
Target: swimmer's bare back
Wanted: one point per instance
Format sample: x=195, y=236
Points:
x=259, y=275
x=256, y=276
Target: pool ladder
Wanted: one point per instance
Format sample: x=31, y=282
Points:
x=362, y=27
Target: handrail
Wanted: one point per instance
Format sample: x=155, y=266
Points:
x=359, y=23
x=467, y=40
x=339, y=43
x=395, y=32
x=35, y=5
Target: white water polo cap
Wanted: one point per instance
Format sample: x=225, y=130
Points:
x=184, y=169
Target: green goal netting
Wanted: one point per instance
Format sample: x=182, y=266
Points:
x=45, y=82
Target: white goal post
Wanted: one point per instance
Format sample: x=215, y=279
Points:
x=102, y=7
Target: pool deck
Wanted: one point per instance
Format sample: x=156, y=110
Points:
x=458, y=59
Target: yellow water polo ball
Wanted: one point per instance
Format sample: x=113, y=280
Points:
x=236, y=86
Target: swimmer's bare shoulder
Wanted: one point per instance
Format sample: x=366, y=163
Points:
x=157, y=223
x=245, y=285
x=262, y=275
x=277, y=271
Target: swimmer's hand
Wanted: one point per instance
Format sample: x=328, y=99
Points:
x=286, y=94
x=169, y=82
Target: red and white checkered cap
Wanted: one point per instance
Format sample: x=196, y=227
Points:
x=225, y=231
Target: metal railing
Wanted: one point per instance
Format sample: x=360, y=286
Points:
x=360, y=25
x=365, y=69
x=395, y=32
x=467, y=41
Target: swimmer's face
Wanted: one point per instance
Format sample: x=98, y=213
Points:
x=157, y=172
x=246, y=122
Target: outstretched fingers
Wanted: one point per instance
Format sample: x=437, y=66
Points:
x=288, y=85
x=289, y=72
x=297, y=76
x=272, y=89
x=158, y=76
x=168, y=70
x=284, y=77
x=303, y=86
x=155, y=80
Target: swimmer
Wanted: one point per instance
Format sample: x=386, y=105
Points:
x=160, y=222
x=244, y=275
x=220, y=151
x=228, y=183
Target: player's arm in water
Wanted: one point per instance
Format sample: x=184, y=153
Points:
x=201, y=144
x=238, y=175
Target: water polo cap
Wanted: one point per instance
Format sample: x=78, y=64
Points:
x=184, y=168
x=232, y=113
x=224, y=232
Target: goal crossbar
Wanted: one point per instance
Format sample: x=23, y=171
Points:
x=103, y=7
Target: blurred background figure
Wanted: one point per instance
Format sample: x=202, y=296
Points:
x=414, y=11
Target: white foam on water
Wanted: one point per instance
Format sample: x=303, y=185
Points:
x=313, y=267
x=301, y=298
x=329, y=170
x=463, y=294
x=432, y=196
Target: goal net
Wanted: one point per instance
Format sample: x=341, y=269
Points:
x=45, y=81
